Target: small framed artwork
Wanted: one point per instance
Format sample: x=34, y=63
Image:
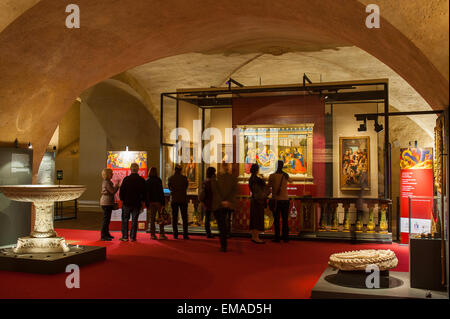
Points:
x=354, y=163
x=189, y=163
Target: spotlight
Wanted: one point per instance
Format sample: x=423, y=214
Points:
x=16, y=143
x=378, y=127
x=363, y=126
x=30, y=146
x=126, y=148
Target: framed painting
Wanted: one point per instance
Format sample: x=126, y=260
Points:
x=225, y=157
x=189, y=163
x=354, y=163
x=266, y=144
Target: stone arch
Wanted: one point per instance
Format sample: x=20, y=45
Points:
x=45, y=66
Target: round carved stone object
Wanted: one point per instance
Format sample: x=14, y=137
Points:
x=360, y=259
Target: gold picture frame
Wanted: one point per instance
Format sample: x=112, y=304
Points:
x=189, y=164
x=354, y=163
x=292, y=143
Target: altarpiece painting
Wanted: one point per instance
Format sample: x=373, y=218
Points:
x=266, y=144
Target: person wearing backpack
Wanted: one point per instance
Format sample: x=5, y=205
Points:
x=206, y=198
x=257, y=203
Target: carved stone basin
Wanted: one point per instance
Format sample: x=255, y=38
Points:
x=42, y=193
x=43, y=239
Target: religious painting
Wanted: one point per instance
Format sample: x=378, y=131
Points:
x=226, y=156
x=354, y=163
x=416, y=158
x=265, y=145
x=120, y=162
x=187, y=157
x=123, y=159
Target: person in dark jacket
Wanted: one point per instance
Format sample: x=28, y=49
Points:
x=178, y=185
x=224, y=199
x=132, y=195
x=208, y=198
x=257, y=204
x=155, y=202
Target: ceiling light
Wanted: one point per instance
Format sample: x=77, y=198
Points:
x=363, y=126
x=378, y=127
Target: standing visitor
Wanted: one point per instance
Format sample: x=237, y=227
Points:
x=224, y=196
x=278, y=181
x=155, y=202
x=132, y=195
x=178, y=185
x=107, y=202
x=206, y=197
x=257, y=203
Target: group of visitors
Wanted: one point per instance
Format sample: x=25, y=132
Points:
x=218, y=197
x=278, y=204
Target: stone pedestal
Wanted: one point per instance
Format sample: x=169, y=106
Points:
x=43, y=238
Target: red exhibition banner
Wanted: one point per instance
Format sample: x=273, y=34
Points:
x=416, y=191
x=119, y=162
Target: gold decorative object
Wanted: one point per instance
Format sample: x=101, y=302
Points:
x=43, y=238
x=371, y=223
x=268, y=219
x=383, y=220
x=438, y=149
x=360, y=259
x=358, y=226
x=346, y=217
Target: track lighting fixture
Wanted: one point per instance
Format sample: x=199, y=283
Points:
x=363, y=126
x=378, y=127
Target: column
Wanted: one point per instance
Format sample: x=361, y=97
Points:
x=383, y=219
x=346, y=216
x=371, y=223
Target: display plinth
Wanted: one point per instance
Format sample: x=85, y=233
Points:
x=50, y=263
x=424, y=255
x=326, y=290
x=357, y=279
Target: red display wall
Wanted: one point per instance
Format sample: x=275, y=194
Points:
x=416, y=183
x=288, y=110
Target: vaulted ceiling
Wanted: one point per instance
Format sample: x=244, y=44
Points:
x=160, y=46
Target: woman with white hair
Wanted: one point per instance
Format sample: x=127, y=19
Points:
x=107, y=202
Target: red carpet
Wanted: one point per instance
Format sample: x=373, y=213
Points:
x=190, y=269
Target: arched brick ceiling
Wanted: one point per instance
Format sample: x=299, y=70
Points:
x=425, y=23
x=44, y=66
x=193, y=70
x=12, y=9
